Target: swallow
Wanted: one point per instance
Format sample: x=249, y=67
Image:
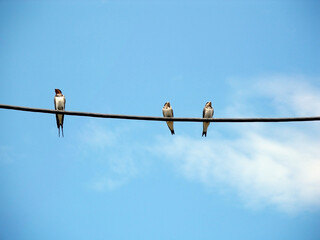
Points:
x=168, y=112
x=207, y=113
x=59, y=104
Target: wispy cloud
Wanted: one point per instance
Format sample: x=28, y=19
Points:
x=106, y=183
x=267, y=164
x=6, y=154
x=116, y=162
x=96, y=136
x=291, y=94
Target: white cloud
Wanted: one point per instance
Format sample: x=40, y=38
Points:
x=292, y=93
x=6, y=154
x=117, y=171
x=267, y=164
x=115, y=160
x=104, y=183
x=96, y=136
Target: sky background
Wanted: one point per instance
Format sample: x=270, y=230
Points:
x=124, y=179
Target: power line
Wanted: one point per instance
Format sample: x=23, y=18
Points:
x=146, y=118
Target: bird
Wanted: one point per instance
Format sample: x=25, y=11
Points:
x=168, y=112
x=208, y=112
x=59, y=104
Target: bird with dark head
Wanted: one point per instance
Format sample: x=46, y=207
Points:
x=168, y=112
x=208, y=112
x=59, y=104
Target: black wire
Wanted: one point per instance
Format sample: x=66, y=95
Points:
x=146, y=118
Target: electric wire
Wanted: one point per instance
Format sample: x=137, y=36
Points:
x=148, y=118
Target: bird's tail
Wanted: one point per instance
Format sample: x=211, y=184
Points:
x=170, y=126
x=205, y=128
x=62, y=130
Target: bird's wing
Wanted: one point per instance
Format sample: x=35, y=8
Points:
x=57, y=119
x=172, y=112
x=62, y=120
x=203, y=112
x=54, y=100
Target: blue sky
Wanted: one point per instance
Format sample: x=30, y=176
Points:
x=122, y=179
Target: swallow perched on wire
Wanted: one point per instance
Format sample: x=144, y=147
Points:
x=207, y=113
x=59, y=104
x=168, y=112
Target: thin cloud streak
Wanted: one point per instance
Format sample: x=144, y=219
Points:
x=115, y=164
x=291, y=93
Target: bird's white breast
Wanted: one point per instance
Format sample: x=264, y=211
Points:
x=59, y=103
x=167, y=112
x=208, y=113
